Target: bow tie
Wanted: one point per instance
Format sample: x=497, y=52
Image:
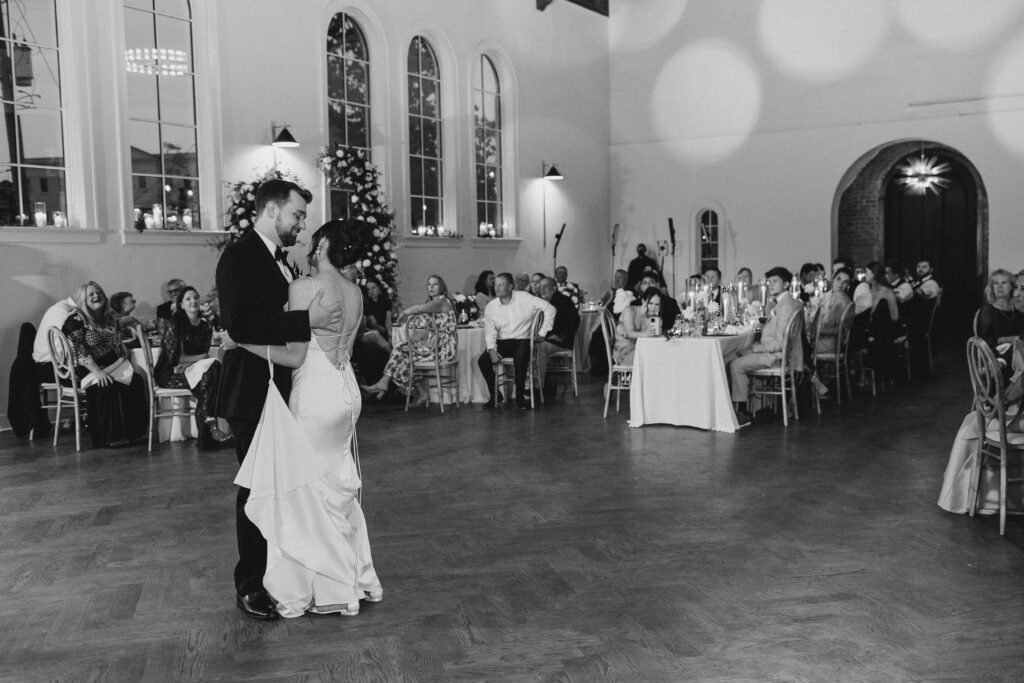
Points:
x=281, y=256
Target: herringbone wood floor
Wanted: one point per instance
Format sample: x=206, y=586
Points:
x=546, y=546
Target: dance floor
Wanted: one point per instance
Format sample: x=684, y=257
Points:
x=543, y=546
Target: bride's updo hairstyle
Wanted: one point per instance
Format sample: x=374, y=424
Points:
x=348, y=239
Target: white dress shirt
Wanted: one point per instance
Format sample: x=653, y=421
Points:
x=273, y=254
x=54, y=317
x=512, y=320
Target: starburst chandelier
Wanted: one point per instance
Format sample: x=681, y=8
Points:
x=923, y=174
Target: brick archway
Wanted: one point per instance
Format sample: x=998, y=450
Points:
x=858, y=214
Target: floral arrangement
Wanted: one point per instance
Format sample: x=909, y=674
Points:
x=241, y=211
x=623, y=298
x=465, y=308
x=571, y=290
x=347, y=169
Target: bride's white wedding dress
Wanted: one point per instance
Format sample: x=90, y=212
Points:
x=304, y=482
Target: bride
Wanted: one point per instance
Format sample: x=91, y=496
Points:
x=301, y=470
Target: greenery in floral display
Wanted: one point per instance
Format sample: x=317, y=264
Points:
x=349, y=170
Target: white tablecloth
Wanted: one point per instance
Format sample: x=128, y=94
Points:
x=589, y=322
x=472, y=387
x=683, y=382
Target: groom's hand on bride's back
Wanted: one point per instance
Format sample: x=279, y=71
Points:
x=322, y=316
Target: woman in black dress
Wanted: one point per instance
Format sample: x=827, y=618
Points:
x=117, y=411
x=999, y=323
x=186, y=340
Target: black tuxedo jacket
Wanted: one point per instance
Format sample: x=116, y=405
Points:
x=253, y=293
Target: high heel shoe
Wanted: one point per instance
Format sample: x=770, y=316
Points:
x=374, y=596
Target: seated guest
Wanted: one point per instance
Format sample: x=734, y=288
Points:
x=831, y=307
x=713, y=279
x=618, y=282
x=821, y=273
x=745, y=276
x=898, y=281
x=186, y=342
x=876, y=328
x=925, y=285
x=569, y=289
x=639, y=318
x=535, y=283
x=917, y=313
x=25, y=411
x=507, y=329
x=842, y=262
x=439, y=305
x=54, y=317
x=377, y=310
x=999, y=322
x=808, y=272
x=165, y=310
x=484, y=289
x=122, y=304
x=768, y=351
x=117, y=402
x=1018, y=292
x=563, y=331
x=523, y=282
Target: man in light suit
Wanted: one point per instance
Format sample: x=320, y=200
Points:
x=768, y=351
x=252, y=285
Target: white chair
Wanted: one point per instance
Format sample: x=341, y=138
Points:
x=63, y=359
x=504, y=369
x=157, y=395
x=837, y=360
x=564, y=363
x=422, y=350
x=764, y=380
x=620, y=377
x=994, y=441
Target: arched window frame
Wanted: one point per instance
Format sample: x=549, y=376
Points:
x=354, y=65
x=420, y=195
x=708, y=226
x=488, y=148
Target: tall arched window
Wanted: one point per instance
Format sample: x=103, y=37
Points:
x=707, y=227
x=161, y=100
x=32, y=165
x=426, y=195
x=348, y=95
x=487, y=142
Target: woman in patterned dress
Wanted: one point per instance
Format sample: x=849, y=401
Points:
x=439, y=305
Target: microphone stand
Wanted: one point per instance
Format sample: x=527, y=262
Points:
x=672, y=239
x=615, y=235
x=558, y=240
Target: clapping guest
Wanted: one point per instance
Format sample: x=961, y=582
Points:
x=484, y=289
x=115, y=396
x=640, y=318
x=439, y=305
x=186, y=341
x=999, y=322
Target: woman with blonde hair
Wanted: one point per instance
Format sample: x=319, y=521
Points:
x=999, y=322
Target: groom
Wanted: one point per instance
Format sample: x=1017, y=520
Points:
x=252, y=285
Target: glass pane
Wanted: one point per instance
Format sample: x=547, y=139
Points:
x=415, y=176
x=36, y=76
x=481, y=214
x=141, y=96
x=177, y=8
x=144, y=139
x=357, y=129
x=431, y=138
x=47, y=186
x=479, y=148
x=355, y=82
x=336, y=122
x=176, y=35
x=139, y=4
x=415, y=105
x=491, y=148
x=33, y=22
x=139, y=30
x=415, y=213
x=431, y=105
x=336, y=34
x=413, y=61
x=181, y=204
x=492, y=185
x=339, y=204
x=177, y=99
x=481, y=182
x=10, y=199
x=415, y=135
x=706, y=251
x=335, y=77
x=146, y=191
x=431, y=178
x=8, y=136
x=42, y=139
x=490, y=75
x=179, y=146
x=433, y=212
x=428, y=63
x=491, y=111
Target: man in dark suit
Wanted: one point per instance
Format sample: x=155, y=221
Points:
x=252, y=284
x=562, y=336
x=165, y=311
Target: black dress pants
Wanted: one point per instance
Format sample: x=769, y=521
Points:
x=519, y=351
x=252, y=547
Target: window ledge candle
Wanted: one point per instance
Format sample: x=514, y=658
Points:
x=40, y=214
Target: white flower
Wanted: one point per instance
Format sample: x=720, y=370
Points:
x=366, y=263
x=240, y=210
x=371, y=219
x=623, y=297
x=244, y=223
x=376, y=247
x=688, y=313
x=460, y=297
x=340, y=153
x=713, y=307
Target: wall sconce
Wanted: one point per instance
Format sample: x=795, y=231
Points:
x=547, y=173
x=284, y=138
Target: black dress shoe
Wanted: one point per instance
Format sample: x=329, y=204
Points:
x=524, y=404
x=257, y=605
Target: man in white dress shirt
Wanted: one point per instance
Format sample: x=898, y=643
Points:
x=507, y=321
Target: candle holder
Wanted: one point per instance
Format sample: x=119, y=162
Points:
x=58, y=219
x=40, y=214
x=186, y=219
x=158, y=217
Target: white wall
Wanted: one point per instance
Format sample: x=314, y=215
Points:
x=264, y=61
x=762, y=107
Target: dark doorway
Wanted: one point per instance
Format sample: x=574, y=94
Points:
x=942, y=229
